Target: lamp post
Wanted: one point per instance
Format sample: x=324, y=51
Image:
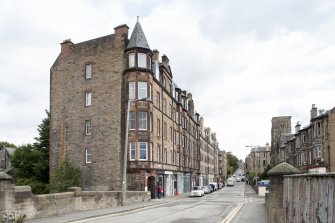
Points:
x=125, y=156
x=255, y=149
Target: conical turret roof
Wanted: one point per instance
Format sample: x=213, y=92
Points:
x=137, y=38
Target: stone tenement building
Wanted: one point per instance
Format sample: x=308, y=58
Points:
x=258, y=159
x=92, y=84
x=311, y=148
x=222, y=164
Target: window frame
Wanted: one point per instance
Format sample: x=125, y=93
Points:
x=131, y=60
x=132, y=151
x=164, y=106
x=88, y=127
x=142, y=60
x=142, y=120
x=141, y=149
x=132, y=120
x=88, y=98
x=88, y=155
x=158, y=127
x=142, y=89
x=158, y=100
x=131, y=90
x=88, y=71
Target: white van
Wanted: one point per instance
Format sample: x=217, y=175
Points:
x=230, y=182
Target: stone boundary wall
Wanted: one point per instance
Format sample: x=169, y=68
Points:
x=309, y=198
x=16, y=201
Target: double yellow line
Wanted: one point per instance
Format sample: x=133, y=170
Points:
x=232, y=213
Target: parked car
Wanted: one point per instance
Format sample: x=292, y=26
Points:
x=210, y=188
x=206, y=189
x=230, y=182
x=197, y=192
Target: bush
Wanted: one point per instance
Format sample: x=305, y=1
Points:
x=37, y=187
x=65, y=176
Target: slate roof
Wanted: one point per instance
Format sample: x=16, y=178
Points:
x=137, y=38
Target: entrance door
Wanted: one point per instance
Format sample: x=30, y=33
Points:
x=152, y=186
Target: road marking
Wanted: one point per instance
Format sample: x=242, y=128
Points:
x=89, y=219
x=232, y=214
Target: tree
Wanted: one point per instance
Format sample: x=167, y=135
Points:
x=232, y=163
x=30, y=167
x=42, y=142
x=65, y=176
x=6, y=144
x=264, y=175
x=31, y=162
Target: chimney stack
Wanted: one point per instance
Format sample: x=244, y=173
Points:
x=314, y=111
x=297, y=127
x=201, y=123
x=209, y=132
x=165, y=59
x=66, y=47
x=155, y=56
x=267, y=147
x=121, y=30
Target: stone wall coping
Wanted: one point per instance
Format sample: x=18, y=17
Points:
x=22, y=188
x=283, y=169
x=99, y=192
x=55, y=195
x=4, y=176
x=312, y=175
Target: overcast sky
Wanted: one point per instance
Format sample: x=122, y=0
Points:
x=243, y=61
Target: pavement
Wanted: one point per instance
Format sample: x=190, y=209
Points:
x=253, y=210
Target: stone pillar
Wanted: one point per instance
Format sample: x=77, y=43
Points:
x=275, y=201
x=6, y=196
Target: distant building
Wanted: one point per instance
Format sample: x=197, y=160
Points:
x=93, y=84
x=312, y=148
x=258, y=159
x=222, y=164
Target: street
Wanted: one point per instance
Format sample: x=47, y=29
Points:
x=230, y=204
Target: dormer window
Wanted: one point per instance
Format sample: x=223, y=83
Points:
x=142, y=60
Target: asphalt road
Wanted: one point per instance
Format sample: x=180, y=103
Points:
x=228, y=205
x=235, y=204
